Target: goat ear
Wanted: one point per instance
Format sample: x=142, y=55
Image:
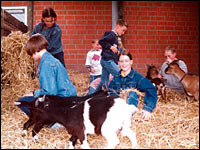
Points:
x=43, y=98
x=148, y=66
x=158, y=67
x=39, y=99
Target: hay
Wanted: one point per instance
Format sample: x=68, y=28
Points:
x=173, y=125
x=16, y=64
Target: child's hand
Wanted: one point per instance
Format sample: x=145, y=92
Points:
x=92, y=70
x=145, y=114
x=114, y=49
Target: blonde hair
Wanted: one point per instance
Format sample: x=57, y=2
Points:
x=121, y=22
x=170, y=48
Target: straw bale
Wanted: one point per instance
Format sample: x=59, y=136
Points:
x=174, y=123
x=16, y=64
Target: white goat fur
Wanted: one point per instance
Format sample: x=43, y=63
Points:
x=118, y=118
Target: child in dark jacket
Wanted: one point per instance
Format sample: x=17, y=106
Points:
x=110, y=52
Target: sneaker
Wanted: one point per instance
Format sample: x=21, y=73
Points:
x=57, y=126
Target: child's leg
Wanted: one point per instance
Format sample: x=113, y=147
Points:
x=91, y=78
x=109, y=67
x=104, y=78
x=91, y=90
x=60, y=57
x=112, y=67
x=25, y=109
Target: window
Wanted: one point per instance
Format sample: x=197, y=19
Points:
x=18, y=12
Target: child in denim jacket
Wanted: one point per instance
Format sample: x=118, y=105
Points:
x=110, y=52
x=127, y=78
x=53, y=77
x=52, y=32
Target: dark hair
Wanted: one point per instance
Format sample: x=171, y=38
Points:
x=170, y=48
x=121, y=22
x=127, y=53
x=48, y=12
x=36, y=43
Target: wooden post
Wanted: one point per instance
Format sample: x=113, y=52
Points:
x=30, y=16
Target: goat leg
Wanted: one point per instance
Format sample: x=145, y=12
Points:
x=38, y=126
x=73, y=141
x=29, y=123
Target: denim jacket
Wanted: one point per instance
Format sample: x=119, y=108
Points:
x=52, y=35
x=53, y=78
x=137, y=81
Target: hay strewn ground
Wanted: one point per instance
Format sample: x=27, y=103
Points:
x=174, y=123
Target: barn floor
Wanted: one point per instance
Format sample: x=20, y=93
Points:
x=174, y=123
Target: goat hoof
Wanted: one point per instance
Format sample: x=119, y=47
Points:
x=24, y=133
x=35, y=139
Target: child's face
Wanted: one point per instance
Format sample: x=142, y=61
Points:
x=170, y=56
x=36, y=56
x=121, y=30
x=49, y=21
x=125, y=63
x=96, y=46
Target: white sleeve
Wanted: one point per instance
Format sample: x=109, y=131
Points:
x=183, y=66
x=88, y=59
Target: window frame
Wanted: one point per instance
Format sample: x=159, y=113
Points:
x=18, y=7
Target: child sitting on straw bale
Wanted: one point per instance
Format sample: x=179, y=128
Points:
x=53, y=77
x=128, y=78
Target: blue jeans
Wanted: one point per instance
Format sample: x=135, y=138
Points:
x=93, y=77
x=108, y=67
x=132, y=98
x=24, y=108
x=91, y=90
x=60, y=57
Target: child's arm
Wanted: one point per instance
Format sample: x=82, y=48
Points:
x=108, y=42
x=89, y=68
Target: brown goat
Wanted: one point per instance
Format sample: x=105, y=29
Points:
x=152, y=75
x=190, y=82
x=152, y=72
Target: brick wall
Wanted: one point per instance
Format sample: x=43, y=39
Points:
x=152, y=26
x=157, y=24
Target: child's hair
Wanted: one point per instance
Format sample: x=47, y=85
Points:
x=121, y=22
x=48, y=12
x=127, y=53
x=169, y=48
x=93, y=41
x=36, y=43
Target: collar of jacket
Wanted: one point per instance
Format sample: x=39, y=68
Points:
x=115, y=32
x=43, y=58
x=130, y=75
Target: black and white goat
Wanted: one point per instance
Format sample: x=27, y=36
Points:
x=100, y=114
